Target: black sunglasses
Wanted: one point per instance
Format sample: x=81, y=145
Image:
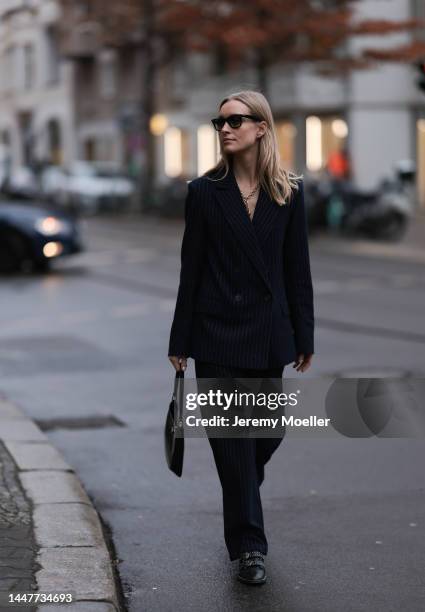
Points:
x=234, y=121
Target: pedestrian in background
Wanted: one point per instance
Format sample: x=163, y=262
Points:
x=338, y=164
x=245, y=300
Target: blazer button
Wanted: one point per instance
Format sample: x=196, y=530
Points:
x=238, y=297
x=267, y=297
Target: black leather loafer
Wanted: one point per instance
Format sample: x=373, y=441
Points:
x=251, y=568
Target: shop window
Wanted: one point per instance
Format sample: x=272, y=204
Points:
x=208, y=148
x=326, y=140
x=173, y=158
x=286, y=136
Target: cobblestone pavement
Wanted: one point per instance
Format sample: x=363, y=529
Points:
x=17, y=544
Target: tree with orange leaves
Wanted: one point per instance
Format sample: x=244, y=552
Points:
x=261, y=32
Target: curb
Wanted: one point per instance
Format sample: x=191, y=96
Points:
x=73, y=554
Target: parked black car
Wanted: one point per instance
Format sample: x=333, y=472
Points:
x=32, y=233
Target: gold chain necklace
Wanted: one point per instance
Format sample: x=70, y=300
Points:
x=246, y=198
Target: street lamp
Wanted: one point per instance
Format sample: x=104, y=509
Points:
x=158, y=124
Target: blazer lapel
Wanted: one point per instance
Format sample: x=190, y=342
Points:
x=249, y=237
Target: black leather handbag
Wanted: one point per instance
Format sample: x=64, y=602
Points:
x=173, y=432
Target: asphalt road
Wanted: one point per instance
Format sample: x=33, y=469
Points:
x=84, y=351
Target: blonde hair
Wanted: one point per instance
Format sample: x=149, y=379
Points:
x=278, y=182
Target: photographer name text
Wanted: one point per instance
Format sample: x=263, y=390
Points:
x=291, y=421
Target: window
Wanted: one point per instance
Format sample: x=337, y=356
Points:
x=176, y=152
x=325, y=139
x=107, y=74
x=286, y=136
x=29, y=66
x=173, y=159
x=52, y=56
x=207, y=148
x=55, y=142
x=9, y=74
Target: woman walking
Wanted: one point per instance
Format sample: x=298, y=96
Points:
x=245, y=300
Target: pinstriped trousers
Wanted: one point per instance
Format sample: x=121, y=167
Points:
x=240, y=466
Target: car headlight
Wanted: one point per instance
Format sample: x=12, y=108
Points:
x=48, y=226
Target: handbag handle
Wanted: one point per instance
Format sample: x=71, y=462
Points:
x=179, y=374
x=179, y=390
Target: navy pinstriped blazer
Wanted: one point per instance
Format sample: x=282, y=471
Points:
x=243, y=283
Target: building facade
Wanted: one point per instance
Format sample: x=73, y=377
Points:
x=106, y=90
x=66, y=98
x=377, y=115
x=36, y=110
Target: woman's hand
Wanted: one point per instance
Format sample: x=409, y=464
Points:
x=179, y=363
x=303, y=362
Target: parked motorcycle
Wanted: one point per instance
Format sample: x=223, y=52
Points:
x=382, y=213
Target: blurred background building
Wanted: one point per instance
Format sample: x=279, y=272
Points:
x=68, y=99
x=36, y=86
x=106, y=94
x=378, y=115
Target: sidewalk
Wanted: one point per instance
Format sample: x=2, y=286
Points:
x=17, y=544
x=411, y=248
x=51, y=538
